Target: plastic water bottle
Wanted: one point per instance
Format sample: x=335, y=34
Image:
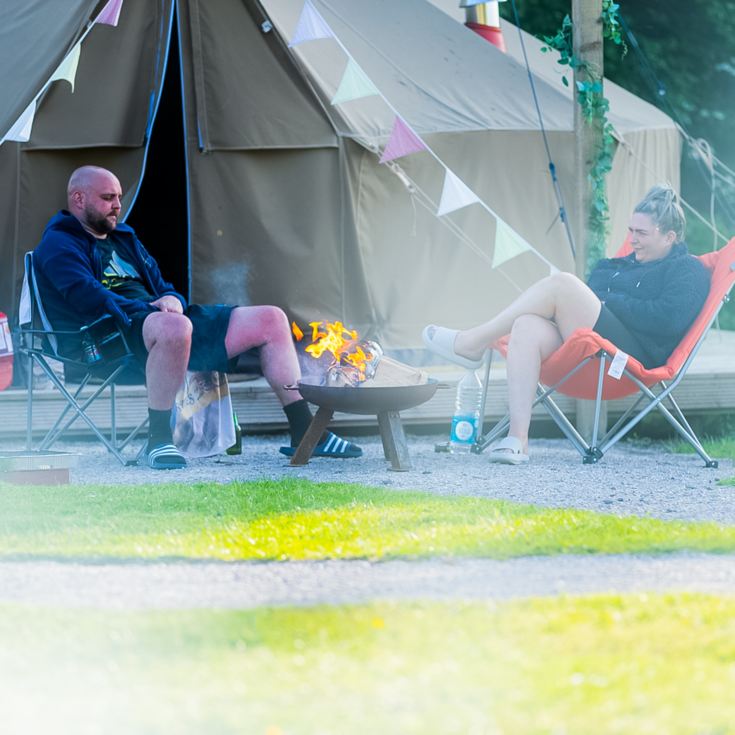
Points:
x=90, y=353
x=466, y=419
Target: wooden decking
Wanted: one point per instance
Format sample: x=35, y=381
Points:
x=709, y=387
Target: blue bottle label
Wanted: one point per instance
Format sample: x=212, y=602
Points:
x=464, y=429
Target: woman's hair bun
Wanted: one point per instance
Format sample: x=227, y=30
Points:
x=661, y=204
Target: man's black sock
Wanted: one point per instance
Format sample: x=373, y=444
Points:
x=299, y=417
x=159, y=427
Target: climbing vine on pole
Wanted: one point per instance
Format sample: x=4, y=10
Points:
x=594, y=107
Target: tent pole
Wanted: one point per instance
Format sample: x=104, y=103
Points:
x=588, y=48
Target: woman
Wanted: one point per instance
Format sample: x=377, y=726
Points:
x=643, y=303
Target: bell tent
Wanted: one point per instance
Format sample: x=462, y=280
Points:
x=248, y=138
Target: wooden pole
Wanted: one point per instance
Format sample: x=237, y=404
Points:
x=588, y=49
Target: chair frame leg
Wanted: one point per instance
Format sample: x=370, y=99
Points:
x=594, y=451
x=79, y=409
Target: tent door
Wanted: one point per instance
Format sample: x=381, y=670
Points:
x=159, y=213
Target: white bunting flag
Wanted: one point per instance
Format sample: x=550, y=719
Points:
x=310, y=26
x=110, y=14
x=67, y=69
x=455, y=195
x=508, y=244
x=21, y=131
x=355, y=84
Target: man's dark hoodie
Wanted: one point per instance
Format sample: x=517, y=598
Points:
x=68, y=271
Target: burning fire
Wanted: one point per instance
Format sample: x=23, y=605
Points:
x=343, y=344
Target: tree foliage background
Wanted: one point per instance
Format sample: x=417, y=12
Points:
x=686, y=67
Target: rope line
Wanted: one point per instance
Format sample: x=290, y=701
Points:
x=552, y=167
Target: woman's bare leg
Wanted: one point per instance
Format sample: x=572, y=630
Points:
x=561, y=298
x=532, y=340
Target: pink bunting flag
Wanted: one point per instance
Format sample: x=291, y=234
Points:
x=310, y=26
x=402, y=142
x=110, y=14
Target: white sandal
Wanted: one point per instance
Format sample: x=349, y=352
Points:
x=508, y=451
x=440, y=340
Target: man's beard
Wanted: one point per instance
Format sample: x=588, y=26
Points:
x=97, y=223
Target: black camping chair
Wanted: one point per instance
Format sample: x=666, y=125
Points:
x=96, y=352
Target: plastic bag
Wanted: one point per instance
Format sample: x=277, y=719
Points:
x=202, y=415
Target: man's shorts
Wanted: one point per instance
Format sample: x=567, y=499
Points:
x=208, y=350
x=610, y=327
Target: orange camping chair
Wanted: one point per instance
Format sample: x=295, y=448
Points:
x=572, y=371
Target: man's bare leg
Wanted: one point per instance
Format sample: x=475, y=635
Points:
x=266, y=327
x=532, y=340
x=562, y=298
x=167, y=337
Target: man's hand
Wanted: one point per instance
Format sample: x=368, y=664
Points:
x=168, y=303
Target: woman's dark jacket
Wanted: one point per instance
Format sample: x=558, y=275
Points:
x=68, y=271
x=656, y=301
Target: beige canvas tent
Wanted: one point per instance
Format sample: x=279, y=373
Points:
x=261, y=191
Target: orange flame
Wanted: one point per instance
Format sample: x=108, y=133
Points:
x=297, y=332
x=340, y=342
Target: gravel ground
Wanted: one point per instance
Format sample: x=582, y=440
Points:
x=136, y=586
x=632, y=479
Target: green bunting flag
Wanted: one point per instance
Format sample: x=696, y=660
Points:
x=67, y=69
x=508, y=244
x=355, y=84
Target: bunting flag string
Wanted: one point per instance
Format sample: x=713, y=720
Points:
x=355, y=85
x=310, y=26
x=455, y=195
x=402, y=142
x=508, y=244
x=21, y=131
x=67, y=69
x=110, y=14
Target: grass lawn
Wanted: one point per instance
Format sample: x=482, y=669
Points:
x=298, y=519
x=721, y=447
x=576, y=665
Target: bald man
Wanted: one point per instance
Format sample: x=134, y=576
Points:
x=89, y=264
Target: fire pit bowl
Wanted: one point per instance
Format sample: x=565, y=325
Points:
x=365, y=400
x=383, y=401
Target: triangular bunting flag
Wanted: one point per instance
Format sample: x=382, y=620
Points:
x=110, y=14
x=355, y=84
x=455, y=195
x=67, y=69
x=311, y=26
x=508, y=244
x=21, y=131
x=402, y=142
x=553, y=270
